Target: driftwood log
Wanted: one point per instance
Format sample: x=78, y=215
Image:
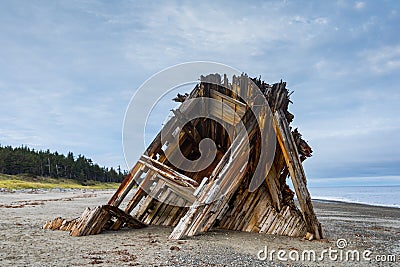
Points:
x=218, y=196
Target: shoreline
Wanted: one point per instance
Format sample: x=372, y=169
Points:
x=65, y=190
x=353, y=203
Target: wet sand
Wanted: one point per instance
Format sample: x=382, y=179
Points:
x=24, y=243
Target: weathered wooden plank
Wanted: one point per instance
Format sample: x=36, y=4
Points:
x=296, y=171
x=142, y=213
x=124, y=187
x=121, y=215
x=158, y=207
x=167, y=172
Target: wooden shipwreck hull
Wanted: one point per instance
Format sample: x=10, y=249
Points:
x=222, y=195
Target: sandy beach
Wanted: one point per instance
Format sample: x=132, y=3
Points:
x=360, y=228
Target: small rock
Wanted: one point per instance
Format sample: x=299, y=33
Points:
x=176, y=248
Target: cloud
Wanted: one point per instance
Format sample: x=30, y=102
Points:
x=321, y=20
x=383, y=60
x=68, y=69
x=359, y=5
x=199, y=32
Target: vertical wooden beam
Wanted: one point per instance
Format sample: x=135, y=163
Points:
x=297, y=174
x=125, y=186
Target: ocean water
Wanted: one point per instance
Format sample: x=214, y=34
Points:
x=388, y=196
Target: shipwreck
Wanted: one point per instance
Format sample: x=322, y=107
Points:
x=244, y=185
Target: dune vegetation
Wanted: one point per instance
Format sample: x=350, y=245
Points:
x=25, y=181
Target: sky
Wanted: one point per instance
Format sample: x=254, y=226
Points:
x=68, y=70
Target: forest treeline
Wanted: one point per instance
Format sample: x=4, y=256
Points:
x=23, y=160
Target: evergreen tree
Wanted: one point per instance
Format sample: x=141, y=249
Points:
x=23, y=160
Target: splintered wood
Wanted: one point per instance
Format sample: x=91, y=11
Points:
x=94, y=221
x=224, y=194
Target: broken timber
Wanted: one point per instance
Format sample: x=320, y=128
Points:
x=221, y=195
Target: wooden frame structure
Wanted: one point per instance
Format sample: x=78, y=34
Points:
x=219, y=195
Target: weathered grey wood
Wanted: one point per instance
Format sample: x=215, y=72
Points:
x=296, y=171
x=121, y=215
x=223, y=194
x=168, y=172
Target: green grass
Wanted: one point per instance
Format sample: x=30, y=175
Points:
x=24, y=181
